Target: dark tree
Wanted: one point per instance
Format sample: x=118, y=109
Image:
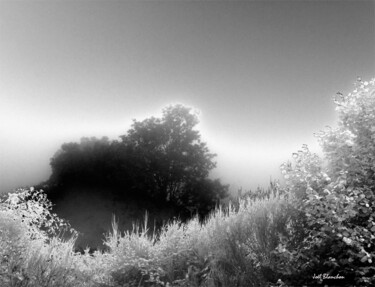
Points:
x=87, y=162
x=171, y=159
x=161, y=160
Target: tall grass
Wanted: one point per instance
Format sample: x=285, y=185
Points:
x=232, y=247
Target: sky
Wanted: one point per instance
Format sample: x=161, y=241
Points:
x=261, y=73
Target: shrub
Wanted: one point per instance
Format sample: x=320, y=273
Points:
x=240, y=242
x=320, y=222
x=233, y=247
x=31, y=252
x=334, y=199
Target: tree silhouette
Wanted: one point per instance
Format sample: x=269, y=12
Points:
x=159, y=159
x=86, y=162
x=169, y=151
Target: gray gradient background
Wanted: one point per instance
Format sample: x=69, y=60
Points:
x=262, y=74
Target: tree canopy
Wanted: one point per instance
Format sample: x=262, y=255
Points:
x=160, y=159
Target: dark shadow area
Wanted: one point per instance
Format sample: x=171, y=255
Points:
x=160, y=166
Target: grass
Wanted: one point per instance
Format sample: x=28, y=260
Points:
x=78, y=204
x=233, y=247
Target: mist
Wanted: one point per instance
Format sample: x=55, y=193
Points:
x=262, y=76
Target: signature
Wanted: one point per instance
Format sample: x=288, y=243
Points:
x=326, y=276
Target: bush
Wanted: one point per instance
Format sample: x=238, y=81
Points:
x=333, y=232
x=320, y=222
x=32, y=254
x=233, y=247
x=159, y=160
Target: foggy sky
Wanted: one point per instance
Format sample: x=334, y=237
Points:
x=261, y=73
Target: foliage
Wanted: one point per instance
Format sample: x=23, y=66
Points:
x=85, y=163
x=34, y=210
x=233, y=247
x=321, y=221
x=334, y=227
x=32, y=254
x=162, y=160
x=170, y=161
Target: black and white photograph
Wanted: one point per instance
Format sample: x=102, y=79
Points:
x=186, y=143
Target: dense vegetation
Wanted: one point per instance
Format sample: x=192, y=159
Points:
x=159, y=160
x=315, y=229
x=332, y=227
